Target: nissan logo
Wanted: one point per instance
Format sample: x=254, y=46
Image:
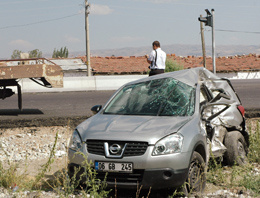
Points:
x=115, y=149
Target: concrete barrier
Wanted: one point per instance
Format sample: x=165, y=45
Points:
x=93, y=83
x=240, y=75
x=113, y=82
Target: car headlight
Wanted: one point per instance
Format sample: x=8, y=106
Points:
x=75, y=141
x=168, y=145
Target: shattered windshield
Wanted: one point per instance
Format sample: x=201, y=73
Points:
x=160, y=97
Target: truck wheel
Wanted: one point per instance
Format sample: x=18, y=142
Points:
x=236, y=148
x=196, y=180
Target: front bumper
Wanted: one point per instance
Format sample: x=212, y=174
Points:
x=158, y=172
x=164, y=178
x=154, y=178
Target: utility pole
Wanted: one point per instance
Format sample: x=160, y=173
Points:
x=203, y=43
x=209, y=21
x=213, y=42
x=87, y=36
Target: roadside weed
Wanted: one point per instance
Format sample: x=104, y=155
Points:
x=254, y=147
x=93, y=186
x=46, y=167
x=9, y=176
x=244, y=177
x=252, y=182
x=172, y=65
x=215, y=173
x=83, y=181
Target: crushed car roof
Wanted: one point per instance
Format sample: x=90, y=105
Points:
x=188, y=76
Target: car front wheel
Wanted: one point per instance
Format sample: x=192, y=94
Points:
x=196, y=180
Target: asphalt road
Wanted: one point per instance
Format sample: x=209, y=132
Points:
x=249, y=93
x=78, y=104
x=53, y=104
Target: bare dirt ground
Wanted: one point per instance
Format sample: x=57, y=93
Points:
x=30, y=147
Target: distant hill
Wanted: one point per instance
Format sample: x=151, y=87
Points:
x=178, y=49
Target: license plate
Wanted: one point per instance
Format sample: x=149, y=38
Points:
x=114, y=167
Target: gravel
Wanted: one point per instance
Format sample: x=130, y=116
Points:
x=227, y=194
x=31, y=194
x=51, y=194
x=33, y=143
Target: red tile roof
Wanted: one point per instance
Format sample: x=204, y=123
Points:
x=138, y=65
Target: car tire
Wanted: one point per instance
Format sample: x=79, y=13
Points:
x=236, y=148
x=196, y=180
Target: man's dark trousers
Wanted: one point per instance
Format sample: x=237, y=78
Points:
x=156, y=71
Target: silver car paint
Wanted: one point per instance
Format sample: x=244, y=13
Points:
x=134, y=128
x=153, y=128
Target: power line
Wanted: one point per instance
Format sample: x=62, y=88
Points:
x=38, y=22
x=23, y=2
x=220, y=30
x=68, y=16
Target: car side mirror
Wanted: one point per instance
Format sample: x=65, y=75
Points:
x=210, y=111
x=96, y=109
x=220, y=95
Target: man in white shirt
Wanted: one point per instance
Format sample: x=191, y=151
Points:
x=156, y=59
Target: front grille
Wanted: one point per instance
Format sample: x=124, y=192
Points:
x=134, y=178
x=132, y=148
x=135, y=149
x=95, y=147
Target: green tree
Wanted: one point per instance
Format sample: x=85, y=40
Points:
x=16, y=54
x=172, y=65
x=35, y=53
x=62, y=53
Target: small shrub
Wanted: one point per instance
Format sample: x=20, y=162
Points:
x=252, y=182
x=95, y=187
x=65, y=184
x=46, y=167
x=254, y=147
x=239, y=176
x=9, y=176
x=62, y=183
x=215, y=174
x=172, y=65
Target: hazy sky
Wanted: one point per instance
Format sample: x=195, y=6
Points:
x=122, y=23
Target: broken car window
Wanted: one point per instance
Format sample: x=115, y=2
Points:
x=163, y=97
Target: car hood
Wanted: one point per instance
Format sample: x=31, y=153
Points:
x=130, y=128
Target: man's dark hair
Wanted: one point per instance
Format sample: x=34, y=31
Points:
x=156, y=44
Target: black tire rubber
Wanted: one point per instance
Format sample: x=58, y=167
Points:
x=236, y=148
x=19, y=92
x=196, y=180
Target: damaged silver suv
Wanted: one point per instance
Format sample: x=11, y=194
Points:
x=160, y=131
